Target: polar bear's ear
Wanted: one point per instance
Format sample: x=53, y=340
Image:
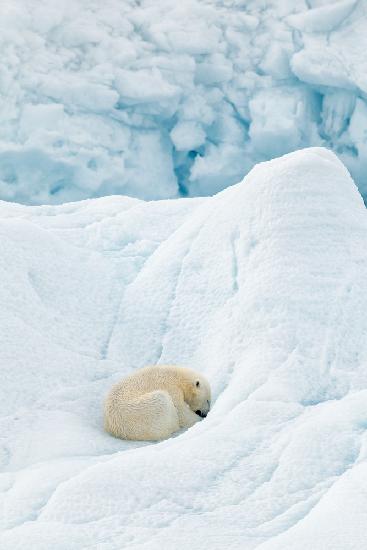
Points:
x=197, y=383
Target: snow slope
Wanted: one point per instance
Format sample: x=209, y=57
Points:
x=263, y=288
x=158, y=99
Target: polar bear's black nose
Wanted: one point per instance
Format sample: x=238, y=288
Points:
x=201, y=413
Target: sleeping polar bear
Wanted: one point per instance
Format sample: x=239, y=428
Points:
x=154, y=402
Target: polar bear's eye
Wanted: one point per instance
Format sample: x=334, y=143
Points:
x=197, y=383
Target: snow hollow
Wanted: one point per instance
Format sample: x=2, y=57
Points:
x=263, y=288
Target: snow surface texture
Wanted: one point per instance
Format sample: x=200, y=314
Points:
x=158, y=99
x=263, y=288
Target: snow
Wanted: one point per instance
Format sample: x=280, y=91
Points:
x=163, y=99
x=261, y=287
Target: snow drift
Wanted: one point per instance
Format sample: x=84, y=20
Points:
x=159, y=99
x=263, y=288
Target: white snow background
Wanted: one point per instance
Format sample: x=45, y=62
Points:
x=263, y=288
x=162, y=98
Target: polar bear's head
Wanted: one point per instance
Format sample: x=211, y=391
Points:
x=198, y=395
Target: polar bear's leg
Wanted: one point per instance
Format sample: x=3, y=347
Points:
x=151, y=416
x=158, y=416
x=186, y=416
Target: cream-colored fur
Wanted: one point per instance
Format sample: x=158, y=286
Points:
x=154, y=402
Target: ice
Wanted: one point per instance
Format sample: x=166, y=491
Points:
x=165, y=99
x=289, y=127
x=144, y=86
x=261, y=287
x=323, y=18
x=187, y=135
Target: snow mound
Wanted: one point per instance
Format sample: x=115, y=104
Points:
x=160, y=99
x=263, y=288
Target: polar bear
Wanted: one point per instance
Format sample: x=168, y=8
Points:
x=156, y=401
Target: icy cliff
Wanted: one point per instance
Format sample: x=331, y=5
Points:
x=159, y=99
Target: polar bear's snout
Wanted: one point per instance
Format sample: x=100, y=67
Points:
x=203, y=413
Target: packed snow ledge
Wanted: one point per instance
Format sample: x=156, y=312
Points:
x=263, y=288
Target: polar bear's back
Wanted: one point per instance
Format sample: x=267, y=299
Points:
x=147, y=379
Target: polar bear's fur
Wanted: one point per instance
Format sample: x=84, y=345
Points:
x=155, y=402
